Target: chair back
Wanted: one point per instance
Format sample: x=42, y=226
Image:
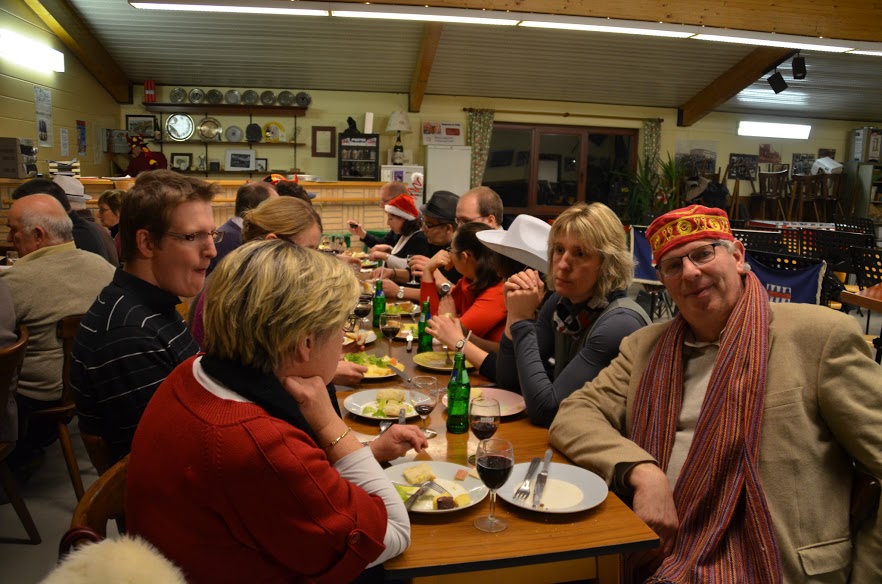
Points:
x=789, y=278
x=773, y=184
x=66, y=330
x=867, y=264
x=11, y=358
x=105, y=500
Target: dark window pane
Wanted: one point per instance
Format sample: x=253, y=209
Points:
x=609, y=162
x=558, y=179
x=508, y=165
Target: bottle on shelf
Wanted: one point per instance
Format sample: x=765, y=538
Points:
x=379, y=302
x=398, y=151
x=458, y=390
x=425, y=339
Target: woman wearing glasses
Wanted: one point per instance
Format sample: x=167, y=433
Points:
x=577, y=331
x=240, y=450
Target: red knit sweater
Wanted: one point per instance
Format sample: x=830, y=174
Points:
x=230, y=494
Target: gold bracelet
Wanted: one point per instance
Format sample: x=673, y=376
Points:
x=340, y=437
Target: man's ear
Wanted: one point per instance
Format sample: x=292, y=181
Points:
x=144, y=243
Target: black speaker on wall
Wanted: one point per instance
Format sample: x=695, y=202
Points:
x=777, y=82
x=799, y=67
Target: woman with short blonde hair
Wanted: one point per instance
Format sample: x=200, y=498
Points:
x=242, y=447
x=549, y=353
x=286, y=217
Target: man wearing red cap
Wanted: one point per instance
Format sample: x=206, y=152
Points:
x=734, y=426
x=142, y=157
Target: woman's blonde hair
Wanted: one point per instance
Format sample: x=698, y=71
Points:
x=268, y=295
x=597, y=229
x=287, y=217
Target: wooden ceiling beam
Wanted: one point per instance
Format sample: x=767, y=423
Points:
x=70, y=28
x=840, y=20
x=730, y=83
x=425, y=60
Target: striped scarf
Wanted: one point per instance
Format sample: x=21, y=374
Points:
x=725, y=530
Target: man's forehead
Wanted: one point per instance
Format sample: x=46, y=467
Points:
x=681, y=250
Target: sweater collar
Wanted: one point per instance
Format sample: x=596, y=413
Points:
x=150, y=295
x=47, y=251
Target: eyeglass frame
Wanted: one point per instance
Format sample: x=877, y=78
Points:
x=660, y=269
x=215, y=235
x=460, y=221
x=434, y=225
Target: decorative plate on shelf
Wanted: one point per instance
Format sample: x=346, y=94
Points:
x=273, y=131
x=177, y=95
x=179, y=127
x=214, y=96
x=209, y=129
x=267, y=97
x=232, y=97
x=250, y=97
x=286, y=98
x=196, y=95
x=234, y=134
x=253, y=132
x=303, y=99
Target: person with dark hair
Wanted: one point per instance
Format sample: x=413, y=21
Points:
x=289, y=188
x=249, y=196
x=86, y=235
x=403, y=218
x=109, y=204
x=132, y=336
x=388, y=192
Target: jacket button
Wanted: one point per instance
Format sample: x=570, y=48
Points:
x=354, y=538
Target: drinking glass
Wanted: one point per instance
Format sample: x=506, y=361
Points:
x=495, y=461
x=425, y=399
x=413, y=279
x=484, y=418
x=390, y=324
x=363, y=308
x=339, y=244
x=11, y=257
x=326, y=242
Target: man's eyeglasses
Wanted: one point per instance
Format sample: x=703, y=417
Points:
x=200, y=236
x=463, y=220
x=428, y=225
x=698, y=256
x=103, y=210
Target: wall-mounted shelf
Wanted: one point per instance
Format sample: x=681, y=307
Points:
x=208, y=142
x=225, y=108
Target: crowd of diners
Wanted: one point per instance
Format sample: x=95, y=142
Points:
x=732, y=429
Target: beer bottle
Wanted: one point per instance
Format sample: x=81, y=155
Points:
x=379, y=302
x=458, y=391
x=425, y=339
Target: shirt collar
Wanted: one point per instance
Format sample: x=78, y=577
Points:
x=47, y=251
x=147, y=293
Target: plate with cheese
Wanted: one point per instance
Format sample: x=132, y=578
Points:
x=465, y=490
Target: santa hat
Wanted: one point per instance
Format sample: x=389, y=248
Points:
x=402, y=206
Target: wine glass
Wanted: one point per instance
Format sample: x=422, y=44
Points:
x=425, y=399
x=11, y=257
x=390, y=324
x=363, y=308
x=413, y=279
x=495, y=461
x=339, y=244
x=484, y=418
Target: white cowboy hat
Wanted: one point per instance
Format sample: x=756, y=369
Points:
x=526, y=241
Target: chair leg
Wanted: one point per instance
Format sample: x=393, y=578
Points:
x=8, y=482
x=71, y=459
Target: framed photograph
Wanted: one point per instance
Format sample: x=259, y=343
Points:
x=181, y=162
x=742, y=166
x=260, y=164
x=324, y=142
x=142, y=125
x=240, y=160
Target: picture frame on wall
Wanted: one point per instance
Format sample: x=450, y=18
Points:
x=240, y=160
x=141, y=125
x=260, y=164
x=182, y=162
x=324, y=142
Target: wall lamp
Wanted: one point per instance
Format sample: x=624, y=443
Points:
x=30, y=53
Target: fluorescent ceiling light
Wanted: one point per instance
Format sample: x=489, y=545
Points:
x=870, y=53
x=771, y=130
x=775, y=40
x=607, y=25
x=289, y=8
x=30, y=53
x=424, y=13
x=767, y=96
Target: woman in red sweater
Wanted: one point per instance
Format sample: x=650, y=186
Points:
x=241, y=470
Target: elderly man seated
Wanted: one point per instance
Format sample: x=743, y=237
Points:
x=735, y=425
x=51, y=280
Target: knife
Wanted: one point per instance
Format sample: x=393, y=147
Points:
x=540, y=480
x=400, y=373
x=413, y=498
x=402, y=416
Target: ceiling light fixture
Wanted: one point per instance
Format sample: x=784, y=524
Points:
x=30, y=53
x=798, y=65
x=423, y=13
x=773, y=130
x=607, y=25
x=775, y=40
x=776, y=81
x=287, y=8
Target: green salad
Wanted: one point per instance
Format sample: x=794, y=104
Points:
x=365, y=359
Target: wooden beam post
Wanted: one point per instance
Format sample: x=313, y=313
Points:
x=425, y=60
x=730, y=83
x=67, y=25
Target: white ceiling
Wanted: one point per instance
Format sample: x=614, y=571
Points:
x=323, y=53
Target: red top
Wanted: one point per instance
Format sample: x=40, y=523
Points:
x=484, y=316
x=230, y=494
x=146, y=161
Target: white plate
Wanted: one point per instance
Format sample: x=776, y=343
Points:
x=179, y=127
x=510, y=403
x=355, y=403
x=234, y=134
x=569, y=489
x=445, y=472
x=370, y=338
x=232, y=97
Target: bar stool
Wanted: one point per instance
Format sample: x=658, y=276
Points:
x=773, y=186
x=832, y=187
x=806, y=189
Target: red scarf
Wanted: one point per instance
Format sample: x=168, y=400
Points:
x=725, y=530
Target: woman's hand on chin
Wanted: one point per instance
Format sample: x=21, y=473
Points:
x=311, y=394
x=396, y=441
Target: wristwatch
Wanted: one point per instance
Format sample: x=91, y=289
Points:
x=445, y=288
x=400, y=293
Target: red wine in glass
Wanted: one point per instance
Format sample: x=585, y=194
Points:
x=482, y=429
x=494, y=470
x=495, y=460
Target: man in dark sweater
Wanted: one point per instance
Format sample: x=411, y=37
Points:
x=133, y=337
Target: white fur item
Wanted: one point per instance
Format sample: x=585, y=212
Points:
x=127, y=560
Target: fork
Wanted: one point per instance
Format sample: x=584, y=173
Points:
x=423, y=487
x=524, y=490
x=447, y=359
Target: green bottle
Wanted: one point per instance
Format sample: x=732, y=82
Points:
x=458, y=391
x=379, y=303
x=425, y=338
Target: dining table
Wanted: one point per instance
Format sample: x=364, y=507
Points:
x=871, y=299
x=536, y=547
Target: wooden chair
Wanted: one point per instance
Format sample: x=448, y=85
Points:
x=64, y=413
x=11, y=358
x=806, y=189
x=832, y=190
x=774, y=187
x=105, y=500
x=99, y=452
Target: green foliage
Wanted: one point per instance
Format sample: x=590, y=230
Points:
x=655, y=188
